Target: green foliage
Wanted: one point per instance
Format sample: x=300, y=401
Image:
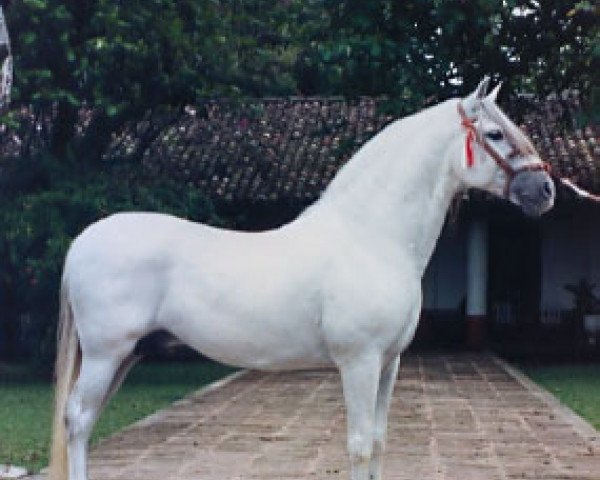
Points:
x=418, y=52
x=124, y=58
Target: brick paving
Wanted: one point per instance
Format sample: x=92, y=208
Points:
x=453, y=417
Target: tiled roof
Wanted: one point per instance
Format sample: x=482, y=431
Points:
x=572, y=150
x=273, y=149
x=288, y=149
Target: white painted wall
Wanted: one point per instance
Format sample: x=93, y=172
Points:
x=444, y=282
x=570, y=251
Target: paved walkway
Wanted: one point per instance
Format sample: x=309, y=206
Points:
x=453, y=417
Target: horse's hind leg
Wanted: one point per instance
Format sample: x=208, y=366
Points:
x=91, y=391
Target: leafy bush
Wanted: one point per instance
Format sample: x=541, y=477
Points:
x=37, y=228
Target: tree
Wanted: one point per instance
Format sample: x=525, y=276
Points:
x=112, y=56
x=422, y=51
x=124, y=58
x=552, y=45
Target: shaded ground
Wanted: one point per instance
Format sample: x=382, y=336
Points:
x=453, y=417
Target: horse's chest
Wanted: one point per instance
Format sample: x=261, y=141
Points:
x=372, y=310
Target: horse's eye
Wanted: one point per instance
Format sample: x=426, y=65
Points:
x=495, y=135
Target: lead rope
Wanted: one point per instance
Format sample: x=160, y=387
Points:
x=580, y=192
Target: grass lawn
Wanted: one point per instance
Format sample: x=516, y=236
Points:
x=26, y=406
x=577, y=386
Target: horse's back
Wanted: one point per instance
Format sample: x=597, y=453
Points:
x=128, y=238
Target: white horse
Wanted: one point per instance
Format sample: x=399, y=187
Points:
x=339, y=286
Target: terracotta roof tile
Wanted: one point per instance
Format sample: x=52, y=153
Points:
x=271, y=149
x=290, y=148
x=572, y=149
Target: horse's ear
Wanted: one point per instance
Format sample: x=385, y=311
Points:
x=482, y=88
x=494, y=93
x=471, y=104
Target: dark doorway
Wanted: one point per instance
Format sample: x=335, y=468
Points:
x=514, y=288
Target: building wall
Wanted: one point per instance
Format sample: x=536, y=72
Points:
x=570, y=252
x=444, y=282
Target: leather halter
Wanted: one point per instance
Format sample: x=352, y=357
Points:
x=474, y=135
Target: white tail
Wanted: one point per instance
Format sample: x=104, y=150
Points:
x=68, y=361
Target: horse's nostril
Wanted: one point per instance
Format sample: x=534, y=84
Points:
x=547, y=189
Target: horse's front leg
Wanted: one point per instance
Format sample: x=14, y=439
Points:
x=360, y=380
x=384, y=397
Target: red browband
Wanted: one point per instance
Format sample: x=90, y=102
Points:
x=469, y=142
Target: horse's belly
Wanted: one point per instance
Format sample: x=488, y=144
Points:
x=245, y=346
x=252, y=334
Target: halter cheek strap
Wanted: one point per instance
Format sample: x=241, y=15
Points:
x=473, y=135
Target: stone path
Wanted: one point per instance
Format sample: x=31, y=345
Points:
x=453, y=417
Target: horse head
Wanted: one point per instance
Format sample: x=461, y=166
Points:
x=498, y=157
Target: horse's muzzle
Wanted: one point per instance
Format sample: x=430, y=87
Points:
x=533, y=191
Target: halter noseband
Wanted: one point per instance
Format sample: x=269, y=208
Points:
x=474, y=135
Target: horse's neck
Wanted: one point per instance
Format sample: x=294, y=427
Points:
x=398, y=187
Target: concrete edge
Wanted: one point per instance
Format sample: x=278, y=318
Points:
x=580, y=424
x=155, y=417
